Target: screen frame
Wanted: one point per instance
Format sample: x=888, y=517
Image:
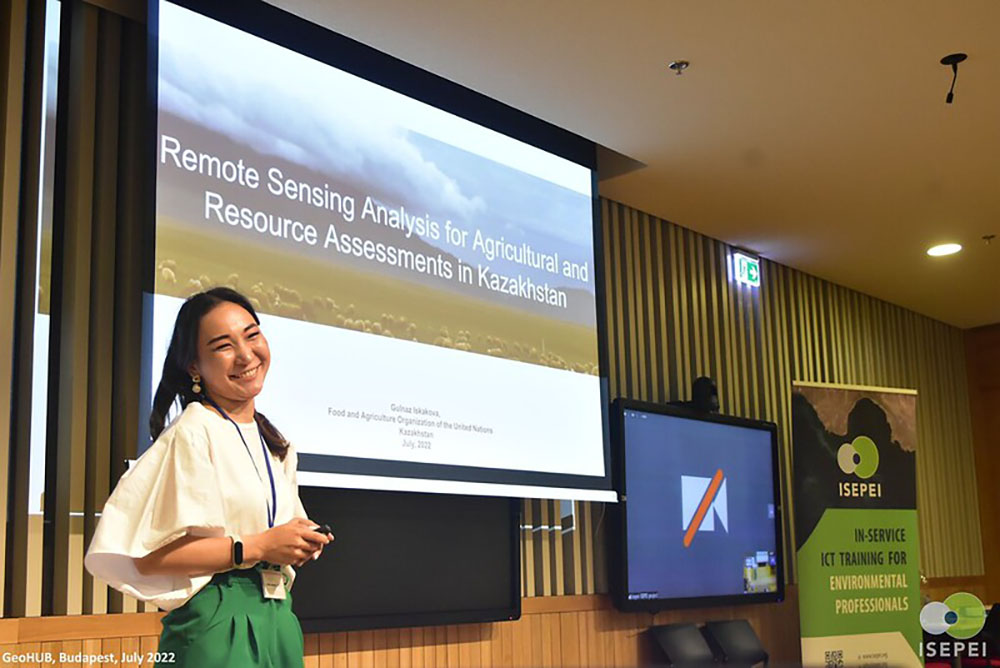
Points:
x=619, y=533
x=275, y=25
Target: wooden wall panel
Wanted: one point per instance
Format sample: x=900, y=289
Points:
x=553, y=631
x=983, y=347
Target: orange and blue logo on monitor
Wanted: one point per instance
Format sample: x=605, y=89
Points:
x=703, y=500
x=962, y=615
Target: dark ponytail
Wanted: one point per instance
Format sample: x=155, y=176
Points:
x=276, y=443
x=175, y=383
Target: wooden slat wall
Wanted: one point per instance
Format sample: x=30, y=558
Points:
x=840, y=336
x=13, y=61
x=674, y=314
x=95, y=299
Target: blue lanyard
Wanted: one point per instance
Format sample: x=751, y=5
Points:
x=272, y=510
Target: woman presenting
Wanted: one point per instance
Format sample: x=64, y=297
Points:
x=207, y=524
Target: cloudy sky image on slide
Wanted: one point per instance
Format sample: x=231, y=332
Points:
x=284, y=104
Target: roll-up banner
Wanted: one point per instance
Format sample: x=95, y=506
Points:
x=855, y=496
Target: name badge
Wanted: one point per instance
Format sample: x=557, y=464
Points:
x=273, y=584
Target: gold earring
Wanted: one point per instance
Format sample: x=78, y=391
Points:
x=196, y=384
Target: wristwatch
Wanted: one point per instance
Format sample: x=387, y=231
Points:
x=237, y=552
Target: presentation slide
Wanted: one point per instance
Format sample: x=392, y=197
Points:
x=700, y=508
x=426, y=283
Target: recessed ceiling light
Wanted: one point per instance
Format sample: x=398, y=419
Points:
x=944, y=249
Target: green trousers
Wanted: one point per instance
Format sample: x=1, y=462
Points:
x=229, y=623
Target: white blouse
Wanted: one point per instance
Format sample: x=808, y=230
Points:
x=197, y=478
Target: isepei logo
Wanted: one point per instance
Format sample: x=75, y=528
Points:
x=703, y=500
x=859, y=458
x=961, y=616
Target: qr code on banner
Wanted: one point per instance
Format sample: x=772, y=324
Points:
x=835, y=659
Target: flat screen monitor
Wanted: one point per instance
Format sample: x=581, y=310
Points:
x=699, y=523
x=406, y=559
x=422, y=257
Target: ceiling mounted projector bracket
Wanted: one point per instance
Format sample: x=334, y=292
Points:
x=953, y=59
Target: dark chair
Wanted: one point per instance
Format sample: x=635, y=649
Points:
x=683, y=645
x=734, y=642
x=990, y=635
x=991, y=630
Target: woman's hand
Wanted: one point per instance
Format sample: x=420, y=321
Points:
x=292, y=543
x=323, y=530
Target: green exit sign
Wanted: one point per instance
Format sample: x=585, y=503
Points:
x=746, y=269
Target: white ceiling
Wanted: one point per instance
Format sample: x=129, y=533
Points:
x=815, y=133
